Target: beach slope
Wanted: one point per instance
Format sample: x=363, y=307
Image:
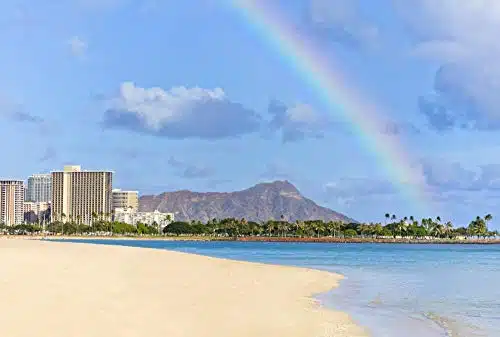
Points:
x=53, y=289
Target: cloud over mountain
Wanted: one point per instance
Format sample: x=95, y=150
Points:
x=190, y=171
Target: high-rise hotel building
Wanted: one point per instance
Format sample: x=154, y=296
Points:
x=78, y=195
x=11, y=202
x=39, y=188
x=125, y=199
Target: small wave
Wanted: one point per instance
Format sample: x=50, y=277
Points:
x=453, y=328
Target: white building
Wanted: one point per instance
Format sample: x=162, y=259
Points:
x=132, y=217
x=39, y=188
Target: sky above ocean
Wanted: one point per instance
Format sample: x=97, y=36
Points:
x=367, y=107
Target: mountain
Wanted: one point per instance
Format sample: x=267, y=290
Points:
x=261, y=202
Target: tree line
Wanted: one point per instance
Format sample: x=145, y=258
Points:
x=393, y=227
x=98, y=227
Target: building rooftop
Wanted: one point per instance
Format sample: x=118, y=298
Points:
x=5, y=181
x=78, y=168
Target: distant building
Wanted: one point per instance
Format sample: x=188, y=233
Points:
x=81, y=195
x=39, y=188
x=11, y=202
x=125, y=199
x=132, y=217
x=36, y=212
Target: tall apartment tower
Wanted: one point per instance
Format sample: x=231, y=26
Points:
x=39, y=188
x=125, y=199
x=78, y=195
x=11, y=202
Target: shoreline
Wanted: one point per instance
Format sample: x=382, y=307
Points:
x=267, y=239
x=90, y=290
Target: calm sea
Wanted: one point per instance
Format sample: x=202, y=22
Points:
x=393, y=290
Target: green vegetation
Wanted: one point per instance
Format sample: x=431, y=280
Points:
x=406, y=227
x=99, y=227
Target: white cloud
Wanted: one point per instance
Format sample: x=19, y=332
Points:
x=179, y=112
x=463, y=37
x=297, y=122
x=78, y=46
x=157, y=106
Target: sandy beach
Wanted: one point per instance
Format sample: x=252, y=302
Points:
x=52, y=289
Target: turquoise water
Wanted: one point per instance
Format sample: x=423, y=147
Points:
x=393, y=290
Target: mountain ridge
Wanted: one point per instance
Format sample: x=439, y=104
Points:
x=261, y=202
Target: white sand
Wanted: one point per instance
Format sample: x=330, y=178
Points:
x=50, y=289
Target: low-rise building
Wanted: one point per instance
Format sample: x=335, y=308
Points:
x=133, y=217
x=125, y=199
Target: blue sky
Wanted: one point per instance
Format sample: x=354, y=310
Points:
x=186, y=95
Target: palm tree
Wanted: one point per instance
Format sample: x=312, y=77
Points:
x=79, y=223
x=282, y=227
x=297, y=225
x=449, y=226
x=387, y=217
x=301, y=227
x=437, y=230
x=337, y=225
x=168, y=219
x=63, y=216
x=318, y=227
x=393, y=217
x=401, y=227
x=270, y=227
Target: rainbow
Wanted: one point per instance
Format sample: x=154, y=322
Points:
x=318, y=71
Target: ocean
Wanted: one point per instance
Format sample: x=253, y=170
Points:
x=393, y=290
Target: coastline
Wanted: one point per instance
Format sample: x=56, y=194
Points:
x=94, y=290
x=266, y=239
